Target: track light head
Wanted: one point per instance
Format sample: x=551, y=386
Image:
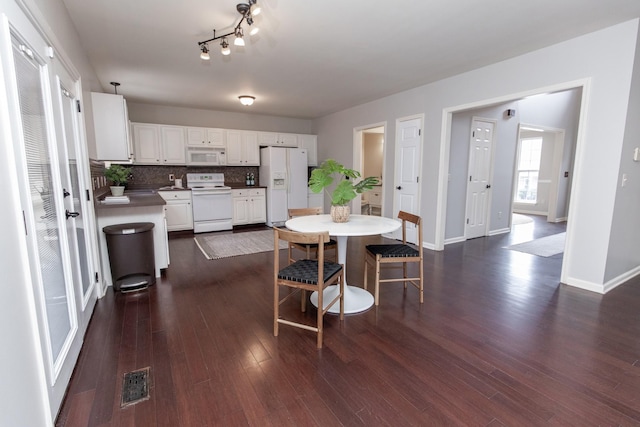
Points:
x=224, y=47
x=204, y=54
x=254, y=7
x=239, y=41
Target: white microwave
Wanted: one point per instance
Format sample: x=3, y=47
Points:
x=206, y=156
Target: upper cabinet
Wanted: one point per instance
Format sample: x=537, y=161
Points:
x=206, y=137
x=158, y=144
x=310, y=142
x=274, y=139
x=242, y=148
x=111, y=124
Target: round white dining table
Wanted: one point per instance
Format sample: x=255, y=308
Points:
x=355, y=299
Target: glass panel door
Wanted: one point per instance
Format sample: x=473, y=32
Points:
x=43, y=223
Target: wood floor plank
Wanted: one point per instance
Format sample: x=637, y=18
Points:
x=497, y=342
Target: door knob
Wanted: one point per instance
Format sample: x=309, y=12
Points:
x=399, y=187
x=71, y=214
x=65, y=193
x=488, y=185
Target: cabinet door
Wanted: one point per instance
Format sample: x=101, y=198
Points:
x=310, y=143
x=215, y=137
x=110, y=121
x=234, y=148
x=179, y=215
x=196, y=137
x=267, y=139
x=251, y=148
x=173, y=145
x=240, y=210
x=288, y=140
x=146, y=143
x=258, y=209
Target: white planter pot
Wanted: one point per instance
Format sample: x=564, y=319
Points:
x=117, y=190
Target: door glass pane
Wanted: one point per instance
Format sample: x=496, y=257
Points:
x=41, y=181
x=76, y=225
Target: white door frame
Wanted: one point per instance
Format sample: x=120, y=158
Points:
x=445, y=143
x=356, y=204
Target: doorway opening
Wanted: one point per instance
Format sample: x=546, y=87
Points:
x=369, y=154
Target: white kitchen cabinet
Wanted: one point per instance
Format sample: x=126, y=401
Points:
x=249, y=206
x=158, y=144
x=275, y=139
x=310, y=142
x=242, y=148
x=111, y=125
x=178, y=210
x=206, y=137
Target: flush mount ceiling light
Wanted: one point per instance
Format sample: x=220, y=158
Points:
x=246, y=99
x=248, y=12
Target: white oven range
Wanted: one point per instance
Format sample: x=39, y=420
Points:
x=211, y=202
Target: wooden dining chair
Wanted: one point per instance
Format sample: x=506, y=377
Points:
x=331, y=244
x=305, y=275
x=381, y=256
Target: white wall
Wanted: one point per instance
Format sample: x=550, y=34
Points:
x=149, y=113
x=603, y=61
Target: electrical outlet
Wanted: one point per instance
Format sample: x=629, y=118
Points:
x=172, y=177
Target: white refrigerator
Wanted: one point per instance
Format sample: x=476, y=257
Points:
x=284, y=172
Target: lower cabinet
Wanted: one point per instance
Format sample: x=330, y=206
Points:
x=178, y=210
x=249, y=206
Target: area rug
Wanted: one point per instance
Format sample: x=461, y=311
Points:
x=518, y=219
x=544, y=246
x=228, y=245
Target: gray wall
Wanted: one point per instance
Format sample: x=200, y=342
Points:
x=161, y=114
x=623, y=259
x=607, y=83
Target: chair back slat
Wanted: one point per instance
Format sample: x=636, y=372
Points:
x=295, y=212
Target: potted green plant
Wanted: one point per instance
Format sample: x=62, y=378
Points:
x=346, y=190
x=118, y=175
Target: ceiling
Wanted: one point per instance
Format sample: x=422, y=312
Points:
x=313, y=58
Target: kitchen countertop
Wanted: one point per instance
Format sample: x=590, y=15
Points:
x=137, y=198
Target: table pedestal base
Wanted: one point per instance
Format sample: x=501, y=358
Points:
x=355, y=299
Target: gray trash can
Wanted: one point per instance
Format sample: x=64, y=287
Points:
x=131, y=255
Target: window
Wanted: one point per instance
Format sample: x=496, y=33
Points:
x=528, y=168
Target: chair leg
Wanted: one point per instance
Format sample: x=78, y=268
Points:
x=303, y=300
x=421, y=283
x=404, y=274
x=276, y=305
x=320, y=313
x=341, y=295
x=377, y=289
x=366, y=267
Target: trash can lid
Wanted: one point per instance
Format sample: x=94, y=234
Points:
x=130, y=228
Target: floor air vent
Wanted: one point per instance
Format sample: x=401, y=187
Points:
x=135, y=387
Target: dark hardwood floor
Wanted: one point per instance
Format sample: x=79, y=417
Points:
x=497, y=342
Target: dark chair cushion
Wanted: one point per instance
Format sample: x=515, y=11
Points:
x=306, y=271
x=393, y=251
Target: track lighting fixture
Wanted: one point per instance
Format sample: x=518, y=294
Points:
x=205, y=52
x=224, y=47
x=246, y=99
x=248, y=12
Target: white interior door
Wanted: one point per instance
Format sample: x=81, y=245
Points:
x=407, y=167
x=478, y=188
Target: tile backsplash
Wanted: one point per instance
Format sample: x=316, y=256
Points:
x=159, y=175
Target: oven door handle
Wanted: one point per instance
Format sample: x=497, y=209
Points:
x=210, y=193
